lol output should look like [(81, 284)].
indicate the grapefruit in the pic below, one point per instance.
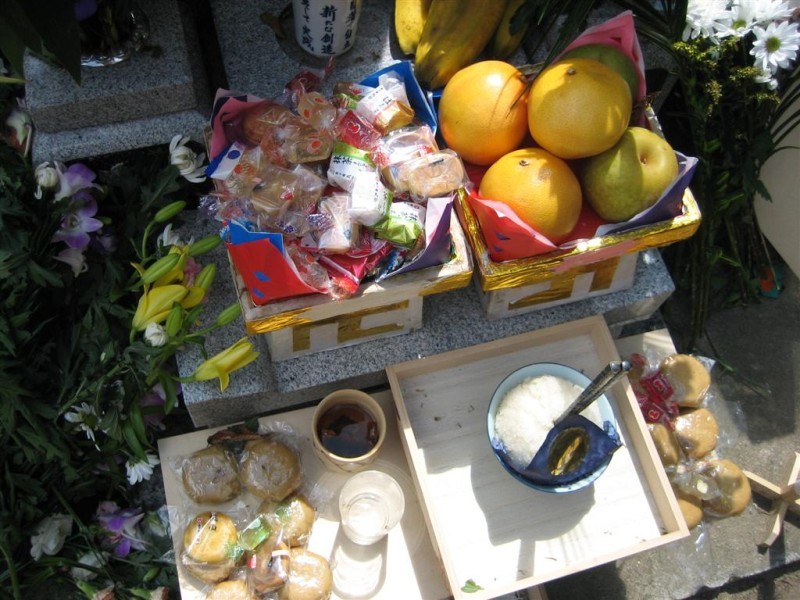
[(539, 187), (611, 57), (578, 107), (483, 111)]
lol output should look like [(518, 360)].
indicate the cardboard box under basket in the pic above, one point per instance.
[(313, 323), (593, 267)]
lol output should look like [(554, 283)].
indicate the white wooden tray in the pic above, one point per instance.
[(403, 564), (486, 526)]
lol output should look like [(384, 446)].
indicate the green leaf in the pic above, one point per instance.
[(470, 587), (17, 33), (55, 22)]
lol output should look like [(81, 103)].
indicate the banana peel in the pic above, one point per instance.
[(455, 33), (409, 21), (505, 43)]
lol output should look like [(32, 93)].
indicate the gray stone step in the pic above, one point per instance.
[(137, 103)]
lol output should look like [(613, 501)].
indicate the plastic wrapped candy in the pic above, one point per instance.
[(402, 145), (317, 110), (435, 174), (403, 225), (346, 163), (369, 200), (277, 189), (340, 233)]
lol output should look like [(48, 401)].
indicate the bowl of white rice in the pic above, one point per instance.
[(523, 409)]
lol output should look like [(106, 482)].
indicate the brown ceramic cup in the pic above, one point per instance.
[(347, 403)]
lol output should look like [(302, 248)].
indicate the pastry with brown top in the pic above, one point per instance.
[(697, 432), (210, 476), (310, 577), (689, 377), (269, 469), (207, 546), (734, 489)]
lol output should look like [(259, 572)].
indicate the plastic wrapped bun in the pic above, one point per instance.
[(209, 544), (310, 577), (269, 566), (669, 451), (689, 377), (292, 517), (697, 432), (210, 476), (269, 469), (734, 489), (233, 589), (691, 508)]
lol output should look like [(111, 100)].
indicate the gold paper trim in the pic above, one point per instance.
[(456, 282), (285, 319), (563, 286), (515, 273), (349, 326)]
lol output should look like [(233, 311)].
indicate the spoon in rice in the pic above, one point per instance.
[(604, 380)]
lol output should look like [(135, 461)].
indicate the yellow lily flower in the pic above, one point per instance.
[(226, 362), (155, 305), (194, 297)]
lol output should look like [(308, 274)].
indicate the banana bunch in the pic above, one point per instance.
[(447, 35)]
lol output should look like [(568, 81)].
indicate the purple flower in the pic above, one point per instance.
[(78, 223), (155, 397), (72, 180), (74, 258), (120, 528)]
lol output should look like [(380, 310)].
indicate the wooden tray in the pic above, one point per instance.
[(404, 561), (486, 526)]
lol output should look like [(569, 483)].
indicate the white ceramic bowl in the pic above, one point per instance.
[(557, 370)]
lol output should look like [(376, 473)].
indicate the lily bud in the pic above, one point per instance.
[(175, 274), (161, 267), (228, 315), (204, 245), (221, 365), (174, 320), (206, 276), (156, 304), (169, 211)]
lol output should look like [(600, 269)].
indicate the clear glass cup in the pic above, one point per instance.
[(371, 503)]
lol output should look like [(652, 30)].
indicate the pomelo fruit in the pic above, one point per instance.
[(611, 57), (539, 187), (578, 107), (483, 111)]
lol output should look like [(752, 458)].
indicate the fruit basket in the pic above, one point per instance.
[(562, 214), (593, 266)]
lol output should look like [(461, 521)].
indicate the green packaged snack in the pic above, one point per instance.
[(404, 224)]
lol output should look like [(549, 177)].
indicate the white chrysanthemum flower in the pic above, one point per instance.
[(771, 10), (50, 534), (46, 177), (184, 158), (139, 470), (707, 18), (776, 46), (90, 559), (156, 335), (767, 79), (85, 417)]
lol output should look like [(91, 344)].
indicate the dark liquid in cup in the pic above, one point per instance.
[(348, 430)]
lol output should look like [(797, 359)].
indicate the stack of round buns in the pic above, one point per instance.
[(689, 441), (221, 555)]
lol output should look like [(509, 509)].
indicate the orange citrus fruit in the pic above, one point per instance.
[(539, 187), (483, 111), (578, 107)]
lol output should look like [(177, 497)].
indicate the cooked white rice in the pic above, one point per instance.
[(527, 412)]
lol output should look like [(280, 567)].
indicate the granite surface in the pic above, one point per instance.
[(137, 103)]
